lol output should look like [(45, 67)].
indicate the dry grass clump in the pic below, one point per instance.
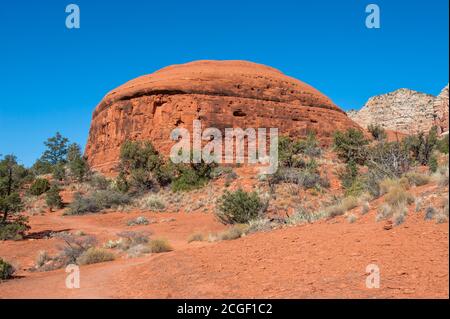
[(196, 237), (418, 179), (152, 202), (259, 225), (351, 218), (398, 195), (95, 255), (138, 221), (389, 184), (341, 208), (159, 246), (442, 176), (234, 232), (365, 208)]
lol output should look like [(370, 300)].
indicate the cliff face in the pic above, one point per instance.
[(222, 94), (405, 111), (441, 108)]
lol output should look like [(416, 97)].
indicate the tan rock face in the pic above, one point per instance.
[(441, 109), (222, 94), (405, 111)]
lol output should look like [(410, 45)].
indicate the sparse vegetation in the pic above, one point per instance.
[(430, 213), (53, 199), (152, 202), (96, 202), (39, 187), (6, 270), (159, 246), (240, 207), (138, 221), (377, 132), (196, 237), (351, 146), (95, 255)]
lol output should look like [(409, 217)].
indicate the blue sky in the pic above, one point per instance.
[(52, 77)]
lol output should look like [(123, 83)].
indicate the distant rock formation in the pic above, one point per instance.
[(222, 94), (405, 111), (441, 108)]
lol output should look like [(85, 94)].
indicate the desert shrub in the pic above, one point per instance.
[(159, 246), (421, 145), (388, 160), (352, 218), (234, 232), (441, 218), (95, 255), (433, 164), (346, 204), (418, 204), (417, 179), (192, 176), (301, 216), (259, 225), (365, 208), (390, 183), (96, 201), (399, 215), (53, 199), (442, 176), (14, 229), (351, 145), (59, 172), (384, 211), (42, 259), (39, 187), (430, 212), (6, 270), (306, 178), (442, 145), (74, 246), (398, 196), (240, 207), (153, 203), (78, 166), (377, 132), (99, 182), (196, 237), (129, 239), (138, 221)]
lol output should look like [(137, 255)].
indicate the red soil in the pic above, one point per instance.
[(326, 259)]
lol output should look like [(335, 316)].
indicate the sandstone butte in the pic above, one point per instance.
[(222, 94)]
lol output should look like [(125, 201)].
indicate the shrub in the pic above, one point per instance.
[(6, 270), (159, 246), (96, 201), (442, 176), (430, 212), (384, 211), (53, 199), (417, 179), (441, 218), (259, 225), (188, 179), (14, 229), (234, 232), (351, 218), (399, 218), (39, 187), (74, 247), (41, 259), (442, 145), (99, 182), (153, 203), (377, 132), (196, 237), (131, 238), (78, 165), (388, 160), (138, 221), (239, 207), (350, 145), (421, 146), (398, 196), (95, 255), (341, 208), (307, 178), (365, 208)]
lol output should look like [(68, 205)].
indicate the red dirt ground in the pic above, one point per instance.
[(326, 259)]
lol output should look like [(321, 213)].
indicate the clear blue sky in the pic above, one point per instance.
[(52, 77)]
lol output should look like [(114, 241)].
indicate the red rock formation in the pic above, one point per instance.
[(221, 94)]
